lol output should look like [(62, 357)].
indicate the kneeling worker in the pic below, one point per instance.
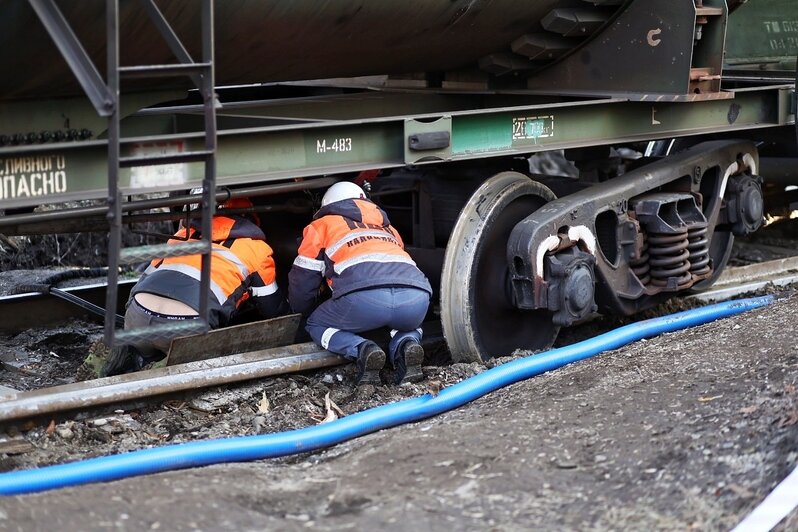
[(242, 268), (373, 281)]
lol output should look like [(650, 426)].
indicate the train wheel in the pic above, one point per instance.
[(479, 319)]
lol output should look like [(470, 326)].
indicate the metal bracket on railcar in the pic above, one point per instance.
[(647, 233), (664, 57)]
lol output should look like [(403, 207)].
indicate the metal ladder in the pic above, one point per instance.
[(105, 97)]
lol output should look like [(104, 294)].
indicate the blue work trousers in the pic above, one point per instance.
[(334, 323)]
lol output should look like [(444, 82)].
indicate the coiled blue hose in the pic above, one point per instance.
[(246, 448)]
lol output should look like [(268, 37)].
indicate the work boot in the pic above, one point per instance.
[(407, 362), (123, 359), (370, 360)]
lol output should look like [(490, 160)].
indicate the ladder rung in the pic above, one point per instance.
[(169, 158), (161, 251), (157, 71), (165, 331)]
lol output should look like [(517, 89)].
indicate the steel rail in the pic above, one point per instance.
[(280, 360), (747, 279), (181, 377)]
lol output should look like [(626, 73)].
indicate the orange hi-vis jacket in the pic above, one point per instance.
[(241, 267), (352, 245)]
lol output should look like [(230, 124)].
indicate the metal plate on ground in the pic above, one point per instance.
[(266, 334)]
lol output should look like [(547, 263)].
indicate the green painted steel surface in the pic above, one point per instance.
[(30, 176), (481, 134), (48, 173), (763, 32)]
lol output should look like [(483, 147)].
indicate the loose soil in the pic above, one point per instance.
[(689, 430)]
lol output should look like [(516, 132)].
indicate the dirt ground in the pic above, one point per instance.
[(687, 431)]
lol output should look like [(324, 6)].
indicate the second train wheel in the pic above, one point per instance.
[(478, 317)]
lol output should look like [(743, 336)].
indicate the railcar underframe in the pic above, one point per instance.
[(274, 147), (521, 256)]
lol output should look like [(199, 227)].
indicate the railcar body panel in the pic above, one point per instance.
[(259, 41), (764, 34)]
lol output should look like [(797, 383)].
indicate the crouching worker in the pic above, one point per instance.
[(242, 269), (374, 283)]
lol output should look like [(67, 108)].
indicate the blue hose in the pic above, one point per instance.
[(246, 448)]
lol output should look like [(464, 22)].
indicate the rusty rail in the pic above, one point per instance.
[(181, 377), (748, 279)]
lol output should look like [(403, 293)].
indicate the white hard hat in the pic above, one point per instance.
[(194, 192), (341, 191)]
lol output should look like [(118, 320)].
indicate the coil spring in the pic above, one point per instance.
[(669, 258), (699, 249), (640, 266)]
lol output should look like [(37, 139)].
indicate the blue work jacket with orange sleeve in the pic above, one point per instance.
[(242, 267), (352, 245)]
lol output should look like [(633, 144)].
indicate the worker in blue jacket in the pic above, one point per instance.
[(352, 249)]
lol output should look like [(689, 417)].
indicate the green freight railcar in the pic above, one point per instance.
[(662, 116), (763, 35)]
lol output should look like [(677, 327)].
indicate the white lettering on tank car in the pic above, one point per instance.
[(782, 35), (339, 145), (772, 26), (654, 121), (781, 26), (652, 37), (533, 127), (784, 44), (24, 177)]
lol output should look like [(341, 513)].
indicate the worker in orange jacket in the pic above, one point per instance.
[(352, 247), (242, 270)]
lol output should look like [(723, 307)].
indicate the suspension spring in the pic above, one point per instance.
[(699, 249), (669, 258), (640, 266)]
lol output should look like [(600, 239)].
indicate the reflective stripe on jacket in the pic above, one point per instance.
[(241, 267), (352, 245)]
